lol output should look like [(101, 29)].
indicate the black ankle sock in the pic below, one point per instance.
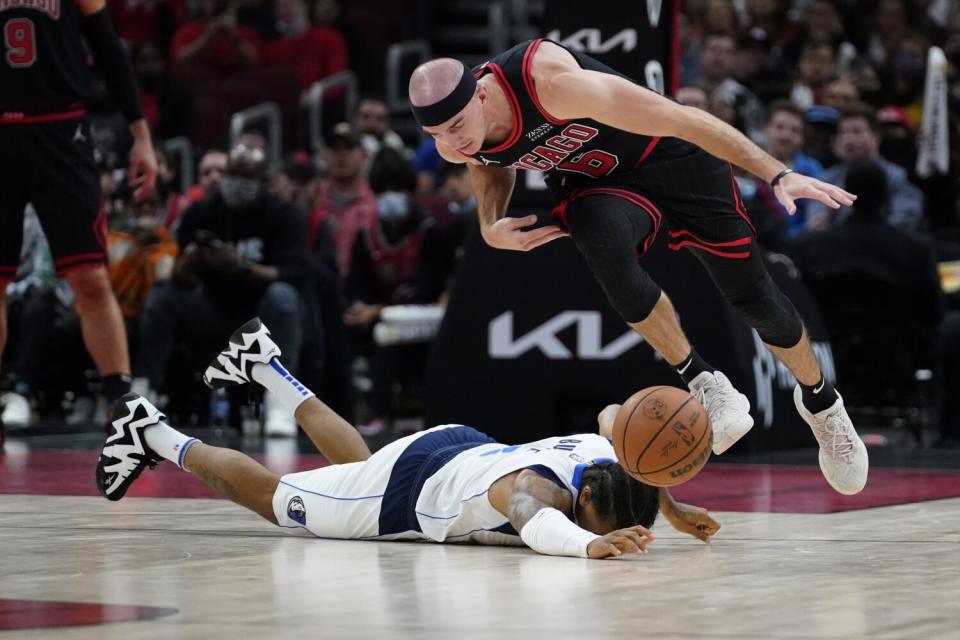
[(115, 385), (819, 396), (692, 366)]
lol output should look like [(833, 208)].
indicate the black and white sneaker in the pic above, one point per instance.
[(125, 453), (249, 345)]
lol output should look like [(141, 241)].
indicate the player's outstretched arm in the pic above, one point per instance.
[(686, 518), (567, 91), (537, 509)]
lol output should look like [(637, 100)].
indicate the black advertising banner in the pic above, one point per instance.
[(638, 39), (530, 348)]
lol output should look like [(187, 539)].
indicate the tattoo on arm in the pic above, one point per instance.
[(531, 493)]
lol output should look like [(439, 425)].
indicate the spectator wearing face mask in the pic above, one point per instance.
[(242, 253), (316, 51), (385, 269), (386, 258)]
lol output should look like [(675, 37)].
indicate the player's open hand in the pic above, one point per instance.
[(142, 173), (615, 544), (794, 186), (508, 233), (695, 521)]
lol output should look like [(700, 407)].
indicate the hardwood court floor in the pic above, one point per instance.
[(200, 568)]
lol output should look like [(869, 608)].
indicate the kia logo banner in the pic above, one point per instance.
[(638, 39)]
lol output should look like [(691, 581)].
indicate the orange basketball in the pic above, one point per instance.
[(662, 436)]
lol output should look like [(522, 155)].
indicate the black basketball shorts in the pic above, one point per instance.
[(49, 163), (692, 194)]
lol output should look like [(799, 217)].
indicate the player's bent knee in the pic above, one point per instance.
[(765, 308), (90, 284)]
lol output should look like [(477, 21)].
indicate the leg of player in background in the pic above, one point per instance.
[(103, 331)]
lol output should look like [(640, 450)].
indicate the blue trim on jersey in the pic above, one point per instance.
[(424, 457)]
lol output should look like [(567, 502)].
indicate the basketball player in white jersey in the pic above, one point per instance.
[(560, 496)]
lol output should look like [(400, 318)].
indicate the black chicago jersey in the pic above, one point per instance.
[(588, 163), (540, 142), (44, 60)]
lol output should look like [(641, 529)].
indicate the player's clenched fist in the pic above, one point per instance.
[(629, 540), (507, 233)]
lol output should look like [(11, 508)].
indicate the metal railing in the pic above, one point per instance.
[(397, 55), (314, 98), (180, 152), (269, 114)]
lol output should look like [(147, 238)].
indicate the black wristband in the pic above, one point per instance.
[(114, 62), (779, 176)]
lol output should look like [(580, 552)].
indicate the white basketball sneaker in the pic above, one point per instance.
[(249, 345), (729, 410), (843, 456)]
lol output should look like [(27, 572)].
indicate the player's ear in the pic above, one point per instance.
[(585, 496)]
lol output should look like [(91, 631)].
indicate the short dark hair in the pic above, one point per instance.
[(859, 110), (614, 491), (390, 171), (784, 105)]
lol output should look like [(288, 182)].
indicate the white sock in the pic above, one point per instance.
[(168, 442), (281, 384)]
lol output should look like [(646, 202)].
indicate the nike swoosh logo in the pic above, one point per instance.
[(820, 388), (682, 371)]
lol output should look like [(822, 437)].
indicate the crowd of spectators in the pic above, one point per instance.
[(319, 246)]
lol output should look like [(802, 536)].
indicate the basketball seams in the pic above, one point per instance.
[(666, 423), (626, 424), (693, 449)]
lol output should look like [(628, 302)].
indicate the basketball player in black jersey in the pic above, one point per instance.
[(622, 161), (46, 158)]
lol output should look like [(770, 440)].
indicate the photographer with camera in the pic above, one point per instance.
[(242, 254)]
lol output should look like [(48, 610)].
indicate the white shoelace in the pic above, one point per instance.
[(833, 433), (715, 403)]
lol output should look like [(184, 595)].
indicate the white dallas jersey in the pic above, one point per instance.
[(453, 504)]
